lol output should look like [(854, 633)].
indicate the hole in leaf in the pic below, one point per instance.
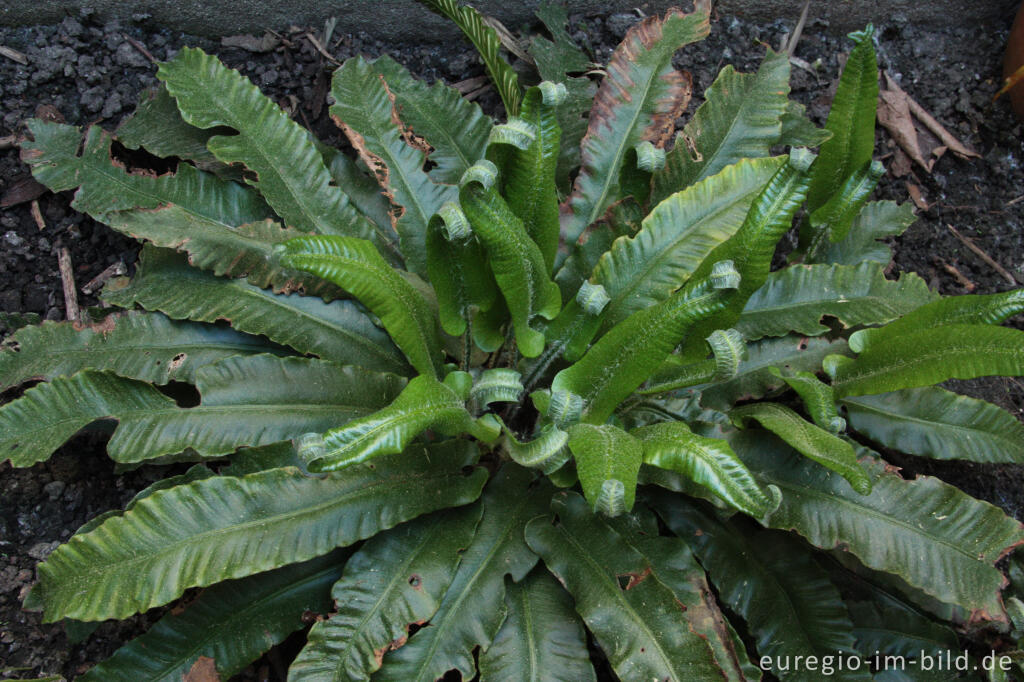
[(624, 581), (415, 581), (141, 162), (184, 395)]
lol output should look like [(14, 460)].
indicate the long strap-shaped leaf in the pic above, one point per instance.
[(542, 638), (248, 401), (977, 309), (797, 298), (424, 404), (516, 260), (851, 122), (929, 356), (397, 578), (474, 606), (455, 128), (928, 533), (876, 220), (640, 271), (639, 99), (458, 269), (365, 109), (628, 354), (485, 40), (607, 461), (641, 626), (144, 346), (529, 174), (709, 462), (105, 186), (291, 174), (356, 266), (233, 623), (809, 440), (227, 527), (339, 331), (752, 247), (787, 600), (932, 422), (818, 397), (832, 221), (156, 125), (739, 119)]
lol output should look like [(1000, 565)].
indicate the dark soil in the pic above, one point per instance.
[(90, 73)]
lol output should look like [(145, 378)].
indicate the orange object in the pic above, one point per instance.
[(1013, 61)]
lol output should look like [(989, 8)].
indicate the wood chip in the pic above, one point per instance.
[(99, 280), (140, 47), (37, 215), (67, 280), (8, 142), (983, 256), (13, 55), (320, 48)]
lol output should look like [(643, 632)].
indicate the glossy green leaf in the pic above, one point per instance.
[(607, 462), (516, 260), (790, 605), (752, 247), (455, 128), (255, 400), (739, 119), (364, 108), (755, 379), (634, 617), (529, 174), (144, 346), (228, 527), (890, 630), (832, 221), (818, 398), (708, 462), (458, 269), (851, 121), (876, 220), (677, 236), (541, 639), (485, 40), (339, 331), (397, 578), (425, 403), (928, 533), (356, 266), (628, 354), (639, 99), (288, 170), (362, 189), (156, 126), (548, 451), (797, 129), (233, 623), (976, 310), (932, 422), (798, 297), (473, 609), (929, 356), (809, 440)]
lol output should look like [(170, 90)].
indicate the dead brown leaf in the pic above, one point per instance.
[(265, 43), (49, 113), (26, 189), (917, 196), (921, 137), (203, 670)]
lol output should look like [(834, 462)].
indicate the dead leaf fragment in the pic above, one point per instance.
[(203, 670), (26, 189), (265, 43), (917, 196)]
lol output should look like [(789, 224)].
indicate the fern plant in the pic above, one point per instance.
[(460, 418)]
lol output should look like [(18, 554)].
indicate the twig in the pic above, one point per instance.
[(67, 279), (984, 256), (9, 142), (37, 215), (794, 37), (99, 280), (964, 282), (1011, 202), (320, 48), (13, 55), (140, 47)]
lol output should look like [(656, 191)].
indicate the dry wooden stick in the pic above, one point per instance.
[(37, 215), (320, 48), (99, 280), (959, 276), (67, 279), (140, 47), (13, 55), (984, 256)]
